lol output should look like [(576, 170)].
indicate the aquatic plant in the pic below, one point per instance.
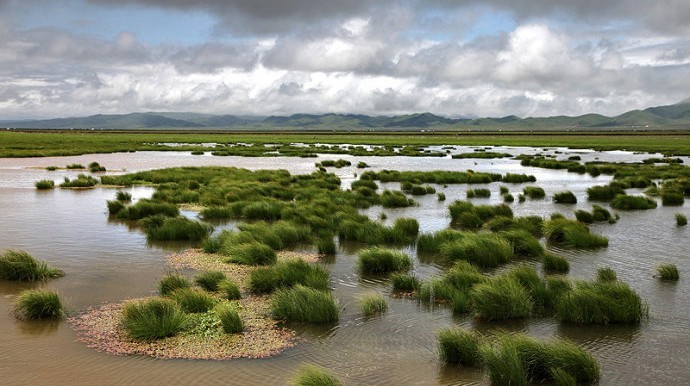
[(572, 234), (478, 192), (95, 167), (146, 208), (604, 192), (154, 318), (403, 282), (123, 196), (555, 263), (172, 282), (440, 290), (431, 242), (38, 304), (681, 220), (310, 375), (326, 246), (667, 272), (601, 302), (508, 198), (503, 190), (606, 274), (162, 228), (584, 216), (504, 366), (458, 346), (75, 166), (501, 297), (304, 304), (626, 202), (601, 214), (379, 260), (229, 319), (82, 181), (524, 243), (441, 196), (395, 199), (533, 192), (114, 207), (286, 274), (566, 197), (44, 184), (482, 249), (671, 197), (21, 266), (193, 301), (209, 280), (373, 303)]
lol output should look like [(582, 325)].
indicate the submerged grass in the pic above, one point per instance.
[(21, 266), (38, 304)]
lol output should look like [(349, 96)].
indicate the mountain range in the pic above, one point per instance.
[(675, 116)]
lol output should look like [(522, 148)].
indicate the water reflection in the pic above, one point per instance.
[(37, 328)]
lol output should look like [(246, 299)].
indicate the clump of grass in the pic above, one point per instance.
[(403, 282), (460, 347), (21, 266), (508, 198), (671, 197), (193, 301), (114, 207), (123, 196), (75, 166), (441, 196), (555, 263), (584, 216), (503, 190), (534, 192), (379, 260), (501, 297), (38, 304), (606, 274), (304, 304), (162, 228), (572, 234), (604, 193), (486, 250), (82, 181), (626, 202), (681, 220), (373, 304), (230, 319), (521, 198), (285, 274), (524, 243), (362, 165), (566, 197), (146, 208), (44, 184), (478, 192), (395, 199), (600, 302), (172, 282), (253, 253), (230, 290), (667, 272), (95, 167), (51, 168), (209, 280), (601, 214), (310, 375), (326, 246), (505, 367), (153, 319)]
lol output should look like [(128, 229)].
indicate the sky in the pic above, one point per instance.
[(456, 58)]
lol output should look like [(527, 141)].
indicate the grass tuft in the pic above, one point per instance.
[(403, 282), (230, 319), (153, 319), (459, 347), (38, 304), (304, 304), (379, 261), (566, 197), (209, 280), (501, 297), (193, 301), (681, 220), (44, 184), (310, 375), (605, 274), (253, 253), (21, 266), (373, 304), (230, 290), (667, 272), (555, 263), (172, 282)]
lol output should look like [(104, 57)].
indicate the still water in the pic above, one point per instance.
[(108, 262)]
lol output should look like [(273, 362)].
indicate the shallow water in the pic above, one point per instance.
[(106, 261)]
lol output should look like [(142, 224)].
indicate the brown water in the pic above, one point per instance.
[(107, 262)]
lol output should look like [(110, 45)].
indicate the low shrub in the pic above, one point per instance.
[(310, 375), (459, 347), (172, 282), (154, 318), (373, 304), (38, 304), (304, 304), (566, 197), (379, 260), (230, 319), (21, 266), (209, 280), (193, 301), (667, 272)]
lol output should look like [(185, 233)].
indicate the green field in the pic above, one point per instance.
[(55, 143)]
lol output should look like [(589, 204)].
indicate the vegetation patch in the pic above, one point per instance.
[(304, 304), (572, 234), (311, 375), (21, 266), (379, 261), (38, 304), (460, 347), (44, 184), (626, 202), (566, 197), (667, 272), (373, 304)]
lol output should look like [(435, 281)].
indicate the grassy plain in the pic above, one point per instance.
[(55, 143)]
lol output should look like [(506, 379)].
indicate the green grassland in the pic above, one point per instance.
[(55, 143)]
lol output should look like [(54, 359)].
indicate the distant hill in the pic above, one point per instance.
[(675, 116)]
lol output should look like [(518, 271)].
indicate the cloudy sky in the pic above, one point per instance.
[(378, 57)]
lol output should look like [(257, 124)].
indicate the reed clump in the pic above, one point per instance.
[(458, 346), (626, 202), (209, 280), (667, 272), (38, 304), (193, 301), (373, 304), (485, 250), (286, 274), (21, 266), (304, 304), (681, 220), (152, 319), (534, 192), (380, 261), (499, 298), (572, 234)]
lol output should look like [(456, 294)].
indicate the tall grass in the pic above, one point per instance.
[(38, 304), (404, 283), (161, 228), (604, 193), (600, 302), (172, 282), (533, 192), (373, 304), (304, 304), (667, 272), (310, 375), (229, 289), (379, 260), (555, 264), (572, 234), (21, 266), (500, 298), (252, 253), (230, 319), (460, 347), (606, 274), (153, 319), (625, 202)]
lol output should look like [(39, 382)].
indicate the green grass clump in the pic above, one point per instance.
[(373, 304), (681, 220), (518, 178), (38, 304), (153, 319), (395, 199), (524, 243), (21, 266), (625, 202), (441, 196), (114, 207), (667, 272), (555, 264), (285, 274), (310, 375), (123, 196), (507, 198), (505, 366), (193, 301), (459, 347), (671, 197), (469, 216), (75, 166), (485, 250), (566, 197), (572, 234), (601, 214), (478, 192), (51, 168), (606, 274), (230, 319), (146, 208), (584, 216), (230, 290), (431, 242), (209, 280), (443, 291), (44, 184), (172, 282), (326, 246), (379, 260), (304, 304), (533, 192), (95, 167), (604, 192), (403, 282), (252, 253), (82, 181), (601, 302), (499, 298), (161, 228)]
